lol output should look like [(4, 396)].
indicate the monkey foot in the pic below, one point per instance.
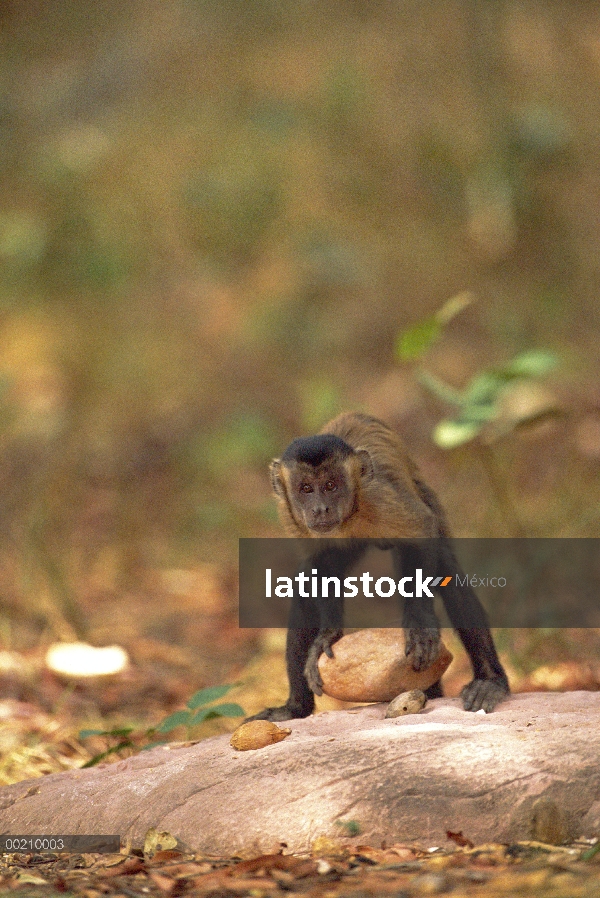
[(284, 712), (484, 694)]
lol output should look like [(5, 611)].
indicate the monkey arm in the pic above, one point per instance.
[(467, 615), (314, 625), (301, 701), (419, 620), (325, 615), (328, 611), (423, 644), (323, 642), (308, 635), (490, 684)]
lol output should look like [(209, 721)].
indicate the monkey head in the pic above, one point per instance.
[(317, 483)]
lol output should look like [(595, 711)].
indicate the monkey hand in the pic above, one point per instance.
[(423, 643), (322, 643), (484, 694)]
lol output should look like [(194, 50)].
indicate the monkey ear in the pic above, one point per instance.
[(274, 471), (366, 464)]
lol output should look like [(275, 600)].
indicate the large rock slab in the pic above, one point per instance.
[(410, 778)]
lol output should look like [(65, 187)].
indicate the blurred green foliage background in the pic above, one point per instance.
[(216, 219)]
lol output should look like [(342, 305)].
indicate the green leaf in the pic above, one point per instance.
[(450, 434), (591, 852), (226, 710), (351, 827), (180, 718), (206, 696), (478, 414), (201, 716), (415, 341), (229, 709), (534, 363), (484, 389), (111, 751), (125, 731)]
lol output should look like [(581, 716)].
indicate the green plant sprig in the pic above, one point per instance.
[(195, 713)]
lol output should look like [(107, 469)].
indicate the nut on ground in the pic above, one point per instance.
[(257, 734), (406, 703)]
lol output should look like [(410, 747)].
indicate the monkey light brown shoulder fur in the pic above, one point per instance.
[(388, 490)]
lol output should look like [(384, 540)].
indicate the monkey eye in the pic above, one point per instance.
[(306, 488), (330, 485)]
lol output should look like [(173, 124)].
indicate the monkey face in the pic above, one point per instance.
[(317, 482), (323, 497)]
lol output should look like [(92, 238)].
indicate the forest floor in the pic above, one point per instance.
[(401, 871)]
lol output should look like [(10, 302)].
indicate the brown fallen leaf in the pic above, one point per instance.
[(405, 851), (164, 856), (187, 868), (110, 860), (162, 882), (459, 839), (129, 866), (210, 882), (253, 885), (264, 862), (391, 855)]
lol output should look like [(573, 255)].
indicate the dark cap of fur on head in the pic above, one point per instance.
[(315, 450)]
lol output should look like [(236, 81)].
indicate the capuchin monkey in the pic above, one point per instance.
[(355, 480)]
